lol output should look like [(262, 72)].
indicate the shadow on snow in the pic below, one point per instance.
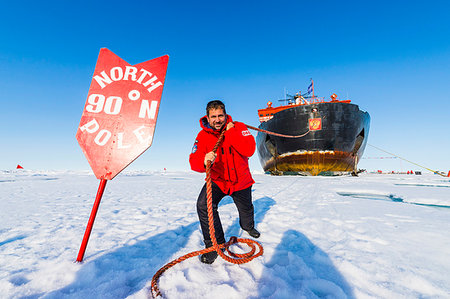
[(299, 269), (126, 270), (261, 206)]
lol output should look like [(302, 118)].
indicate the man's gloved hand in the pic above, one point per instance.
[(211, 156)]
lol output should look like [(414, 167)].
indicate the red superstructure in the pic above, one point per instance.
[(297, 100)]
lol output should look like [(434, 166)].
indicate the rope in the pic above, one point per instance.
[(256, 249), (277, 134), (434, 171)]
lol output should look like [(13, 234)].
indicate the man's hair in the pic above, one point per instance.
[(215, 104)]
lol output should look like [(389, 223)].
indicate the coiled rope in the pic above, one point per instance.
[(256, 248)]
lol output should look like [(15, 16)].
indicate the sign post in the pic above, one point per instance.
[(119, 118), (90, 224)]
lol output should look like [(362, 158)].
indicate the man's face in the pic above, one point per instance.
[(216, 118)]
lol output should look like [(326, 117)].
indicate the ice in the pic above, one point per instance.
[(372, 236)]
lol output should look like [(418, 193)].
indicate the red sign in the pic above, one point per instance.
[(119, 117), (315, 124)]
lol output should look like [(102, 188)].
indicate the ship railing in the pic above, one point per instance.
[(313, 100)]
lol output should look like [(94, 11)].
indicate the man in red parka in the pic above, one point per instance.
[(230, 173)]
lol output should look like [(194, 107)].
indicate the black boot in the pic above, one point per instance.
[(209, 257), (254, 233)]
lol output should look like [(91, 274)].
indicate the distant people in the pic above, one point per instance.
[(297, 99), (230, 172)]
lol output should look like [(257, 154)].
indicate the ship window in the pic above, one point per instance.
[(261, 115)]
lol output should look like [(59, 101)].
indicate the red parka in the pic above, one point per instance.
[(230, 169)]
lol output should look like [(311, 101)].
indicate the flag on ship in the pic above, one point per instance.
[(311, 87)]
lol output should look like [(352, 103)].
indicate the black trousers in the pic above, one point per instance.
[(243, 201)]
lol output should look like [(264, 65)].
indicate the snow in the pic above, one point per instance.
[(373, 236)]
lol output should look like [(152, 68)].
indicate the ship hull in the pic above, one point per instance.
[(333, 147)]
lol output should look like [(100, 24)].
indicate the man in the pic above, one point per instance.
[(230, 173)]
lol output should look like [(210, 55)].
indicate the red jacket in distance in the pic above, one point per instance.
[(230, 169)]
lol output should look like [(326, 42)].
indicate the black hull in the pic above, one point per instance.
[(334, 149)]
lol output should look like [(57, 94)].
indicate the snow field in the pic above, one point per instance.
[(374, 236)]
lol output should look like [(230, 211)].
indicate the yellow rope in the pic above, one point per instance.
[(407, 160)]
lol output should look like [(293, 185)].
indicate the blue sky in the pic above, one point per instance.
[(392, 58)]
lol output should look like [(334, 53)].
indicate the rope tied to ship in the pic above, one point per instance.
[(433, 171), (277, 134)]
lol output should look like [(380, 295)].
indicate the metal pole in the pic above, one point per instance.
[(87, 233)]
